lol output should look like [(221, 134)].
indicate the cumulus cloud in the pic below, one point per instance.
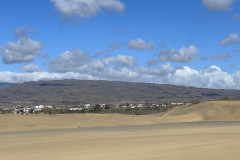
[(183, 55), (166, 69), (223, 56), (120, 61), (86, 8), (71, 60), (24, 50), (111, 67), (77, 61), (210, 77), (214, 77), (30, 68), (221, 5), (125, 68), (74, 64), (139, 44), (185, 76), (232, 38), (13, 77)]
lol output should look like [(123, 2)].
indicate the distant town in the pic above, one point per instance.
[(90, 108)]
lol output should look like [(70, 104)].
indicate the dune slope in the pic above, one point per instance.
[(208, 111)]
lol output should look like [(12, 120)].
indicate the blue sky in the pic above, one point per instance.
[(191, 43)]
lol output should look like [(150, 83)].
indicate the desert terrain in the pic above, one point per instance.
[(208, 130)]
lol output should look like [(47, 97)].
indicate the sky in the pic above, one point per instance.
[(190, 43)]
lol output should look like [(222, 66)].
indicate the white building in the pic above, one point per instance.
[(38, 108), (87, 106), (75, 109)]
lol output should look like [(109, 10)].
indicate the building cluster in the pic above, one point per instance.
[(88, 107)]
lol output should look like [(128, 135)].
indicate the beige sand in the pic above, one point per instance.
[(108, 137), (207, 111)]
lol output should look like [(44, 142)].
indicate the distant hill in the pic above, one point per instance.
[(89, 91), (6, 85)]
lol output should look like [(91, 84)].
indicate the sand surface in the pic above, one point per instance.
[(182, 133)]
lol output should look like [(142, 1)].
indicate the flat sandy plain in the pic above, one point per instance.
[(209, 130)]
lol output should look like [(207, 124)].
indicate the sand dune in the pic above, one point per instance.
[(168, 143), (115, 136), (208, 111)]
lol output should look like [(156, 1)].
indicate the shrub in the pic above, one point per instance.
[(47, 110), (7, 111), (97, 108)]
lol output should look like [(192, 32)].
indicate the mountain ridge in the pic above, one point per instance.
[(63, 92)]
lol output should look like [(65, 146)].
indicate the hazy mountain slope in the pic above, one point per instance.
[(86, 91), (6, 85)]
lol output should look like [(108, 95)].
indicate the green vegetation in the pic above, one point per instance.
[(47, 110), (97, 108), (7, 111), (135, 111), (107, 109), (225, 99)]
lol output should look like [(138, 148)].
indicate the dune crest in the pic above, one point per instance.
[(208, 111)]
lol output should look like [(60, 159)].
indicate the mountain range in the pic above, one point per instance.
[(72, 92)]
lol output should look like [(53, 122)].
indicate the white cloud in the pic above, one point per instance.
[(211, 77), (125, 68), (166, 69), (86, 8), (139, 44), (30, 68), (120, 60), (185, 76), (223, 56), (77, 61), (72, 60), (13, 77), (24, 50), (221, 5), (214, 77), (183, 55), (232, 38)]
